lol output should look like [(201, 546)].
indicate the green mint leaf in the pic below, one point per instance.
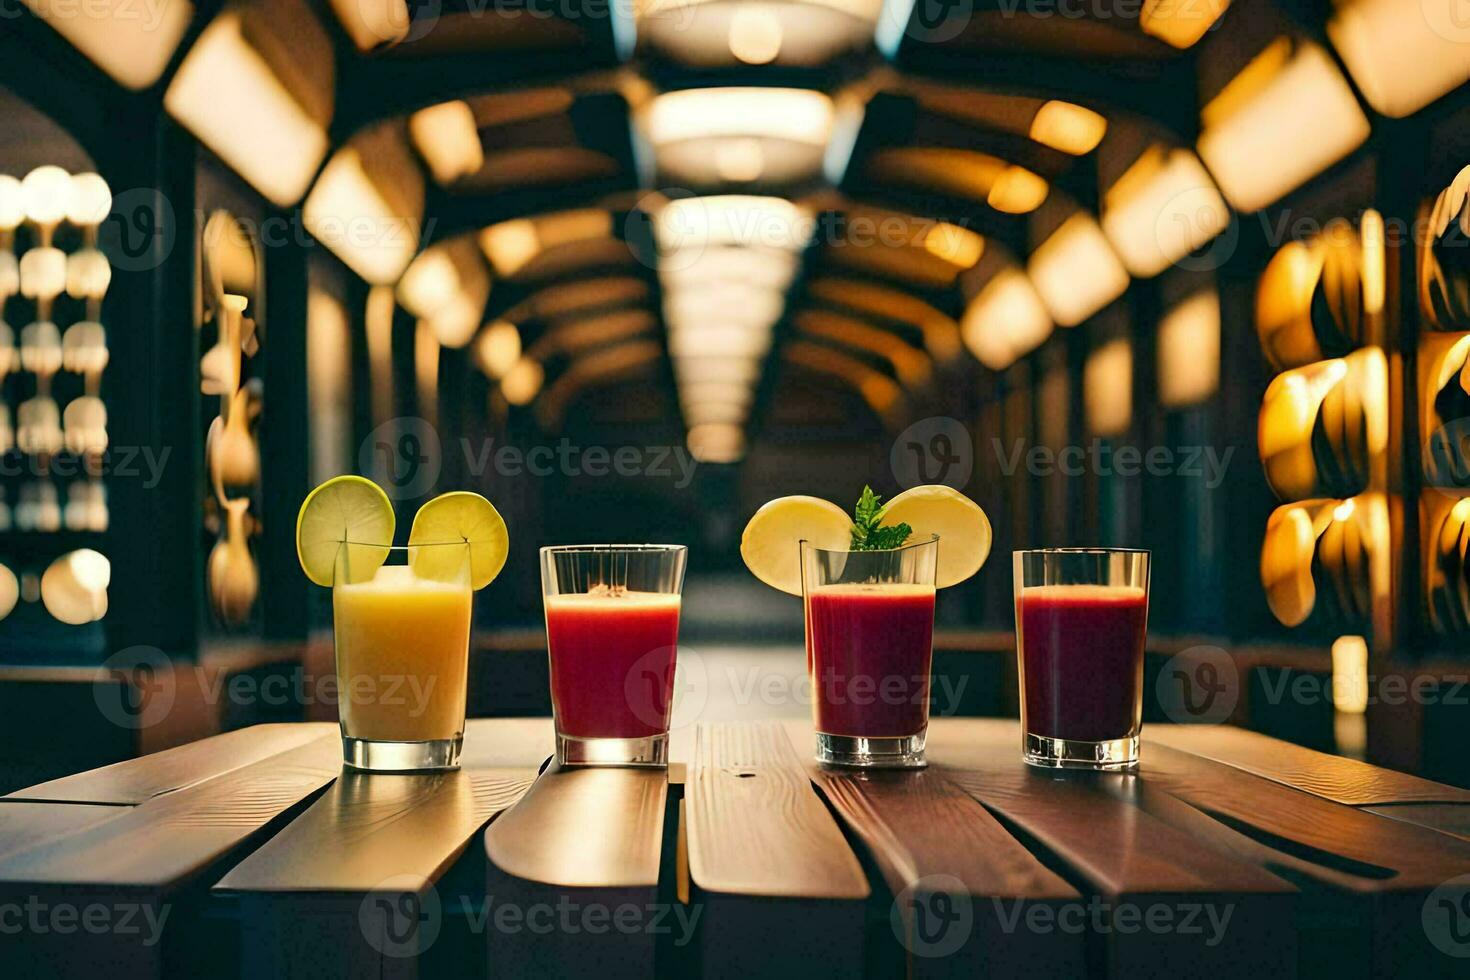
[(868, 534)]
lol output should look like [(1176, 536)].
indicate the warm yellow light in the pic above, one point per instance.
[(740, 160), (47, 194), (227, 94), (722, 303), (795, 114), (88, 274), (1107, 388), (1350, 674), (91, 200), (74, 587), (1284, 431), (133, 44), (1005, 321), (429, 282), (1402, 58), (755, 34), (373, 23), (426, 370), (1291, 107), (1162, 208), (700, 413), (499, 348), (958, 246), (1075, 271), (522, 382), (1180, 23), (1017, 191), (1068, 128), (329, 383), (12, 203), (716, 442), (1189, 351), (378, 321), (724, 370), (448, 139), (719, 340), (732, 219), (761, 268), (349, 213), (722, 392), (512, 245), (446, 285)]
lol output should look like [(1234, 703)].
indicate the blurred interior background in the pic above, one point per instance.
[(1184, 276)]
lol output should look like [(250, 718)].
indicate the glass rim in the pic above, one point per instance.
[(602, 549), (1081, 551), (932, 539)]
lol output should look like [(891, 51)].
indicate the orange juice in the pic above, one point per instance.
[(402, 656)]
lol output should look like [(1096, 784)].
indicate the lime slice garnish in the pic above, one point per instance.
[(963, 528), (770, 544), (459, 516), (343, 509)]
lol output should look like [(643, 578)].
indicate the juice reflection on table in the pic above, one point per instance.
[(612, 661)]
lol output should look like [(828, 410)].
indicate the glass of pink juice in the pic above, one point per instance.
[(1081, 622), (870, 641), (612, 632)]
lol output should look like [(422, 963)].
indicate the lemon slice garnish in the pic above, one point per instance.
[(770, 544), (963, 528), (345, 508), (459, 516)]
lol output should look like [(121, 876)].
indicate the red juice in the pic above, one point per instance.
[(612, 662), (870, 648), (1082, 660)]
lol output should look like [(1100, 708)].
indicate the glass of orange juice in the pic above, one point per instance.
[(401, 623)]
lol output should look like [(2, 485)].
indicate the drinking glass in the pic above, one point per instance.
[(1081, 620), (870, 642), (612, 632), (401, 624)]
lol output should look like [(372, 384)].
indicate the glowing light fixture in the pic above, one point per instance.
[(1076, 272), (1068, 128), (74, 586), (1180, 23), (447, 285), (1005, 321), (716, 442), (1350, 673), (1402, 59), (512, 245), (795, 114), (131, 44), (1289, 106), (12, 203), (962, 173), (766, 222), (329, 379), (368, 205), (755, 34), (90, 200), (1189, 351), (46, 192), (373, 23), (522, 382), (448, 139), (499, 348), (1162, 208), (267, 121), (1107, 388)]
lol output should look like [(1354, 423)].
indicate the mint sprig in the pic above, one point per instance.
[(868, 534)]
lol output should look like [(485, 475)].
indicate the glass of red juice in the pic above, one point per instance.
[(1081, 620), (612, 633), (870, 641)]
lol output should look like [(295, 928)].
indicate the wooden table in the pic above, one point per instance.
[(254, 854)]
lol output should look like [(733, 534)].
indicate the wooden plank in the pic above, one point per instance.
[(25, 825), (572, 876), (957, 876), (1447, 818), (1332, 777), (1368, 875), (1213, 911), (145, 865), (139, 780), (765, 852), (362, 863)]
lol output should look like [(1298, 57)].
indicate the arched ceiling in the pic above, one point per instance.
[(724, 197)]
